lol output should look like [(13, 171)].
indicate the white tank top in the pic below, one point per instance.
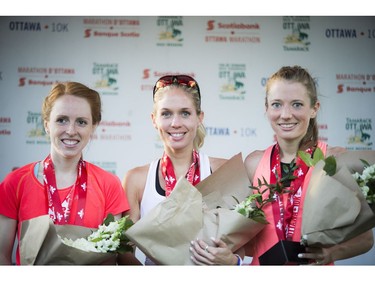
[(150, 195)]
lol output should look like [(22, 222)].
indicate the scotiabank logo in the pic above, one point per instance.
[(340, 88), (146, 73), (22, 82), (87, 33), (210, 25)]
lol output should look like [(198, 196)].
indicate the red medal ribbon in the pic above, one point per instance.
[(192, 175), (59, 211), (286, 218)]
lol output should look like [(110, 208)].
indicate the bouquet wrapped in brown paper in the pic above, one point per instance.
[(335, 209), (204, 211), (44, 243)]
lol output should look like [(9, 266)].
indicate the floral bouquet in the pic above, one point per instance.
[(204, 211), (366, 182), (44, 243), (335, 209)]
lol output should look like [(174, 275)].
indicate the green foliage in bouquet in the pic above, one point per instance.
[(252, 206), (366, 180), (123, 224), (249, 208), (330, 165)]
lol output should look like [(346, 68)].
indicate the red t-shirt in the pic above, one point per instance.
[(23, 197)]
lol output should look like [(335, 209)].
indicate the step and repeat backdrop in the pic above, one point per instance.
[(231, 57)]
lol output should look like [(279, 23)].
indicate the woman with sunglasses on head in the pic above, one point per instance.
[(291, 106), (63, 185), (178, 117)]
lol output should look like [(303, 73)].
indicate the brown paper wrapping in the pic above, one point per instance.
[(335, 209), (229, 180), (190, 212), (40, 245)]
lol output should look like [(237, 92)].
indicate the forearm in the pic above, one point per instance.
[(353, 247)]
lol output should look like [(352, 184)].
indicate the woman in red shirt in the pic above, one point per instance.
[(63, 185)]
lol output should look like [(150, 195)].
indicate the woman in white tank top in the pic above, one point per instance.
[(178, 117)]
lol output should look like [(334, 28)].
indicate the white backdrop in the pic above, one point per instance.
[(230, 56)]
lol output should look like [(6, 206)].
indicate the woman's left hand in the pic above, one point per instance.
[(217, 254)]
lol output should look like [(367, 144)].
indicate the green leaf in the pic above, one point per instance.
[(242, 212), (259, 216), (365, 163), (311, 161), (306, 158), (110, 218), (125, 247), (330, 165), (330, 162), (318, 155)]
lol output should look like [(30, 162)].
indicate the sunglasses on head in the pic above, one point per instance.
[(185, 80)]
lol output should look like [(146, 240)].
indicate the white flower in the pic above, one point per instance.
[(107, 238), (249, 209), (366, 182)]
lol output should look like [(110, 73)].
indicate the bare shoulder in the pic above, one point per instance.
[(335, 150), (251, 162), (134, 183), (253, 158), (136, 177), (216, 163)]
